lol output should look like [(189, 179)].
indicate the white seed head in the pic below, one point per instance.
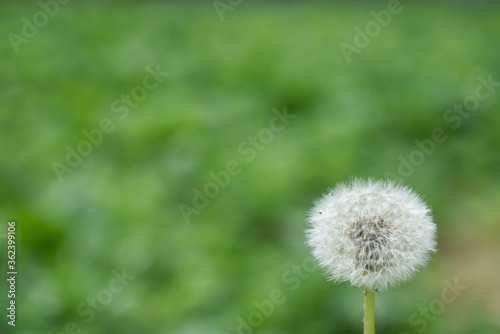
[(371, 233)]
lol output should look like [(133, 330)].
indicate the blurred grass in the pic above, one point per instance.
[(119, 208)]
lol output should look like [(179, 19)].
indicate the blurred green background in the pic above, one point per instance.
[(120, 208)]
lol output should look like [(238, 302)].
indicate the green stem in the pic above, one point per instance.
[(369, 319)]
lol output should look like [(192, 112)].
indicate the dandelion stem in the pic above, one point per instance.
[(369, 309)]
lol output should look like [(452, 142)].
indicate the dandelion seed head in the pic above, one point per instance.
[(371, 233)]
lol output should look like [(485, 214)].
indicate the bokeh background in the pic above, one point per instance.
[(119, 208)]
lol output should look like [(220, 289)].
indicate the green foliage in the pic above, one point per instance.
[(119, 208)]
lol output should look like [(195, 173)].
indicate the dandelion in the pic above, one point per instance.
[(372, 234)]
